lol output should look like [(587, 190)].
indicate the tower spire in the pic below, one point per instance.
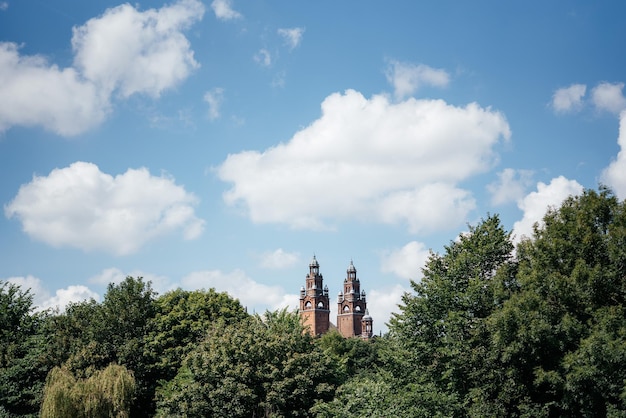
[(314, 301)]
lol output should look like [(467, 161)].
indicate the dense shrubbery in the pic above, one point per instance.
[(491, 330)]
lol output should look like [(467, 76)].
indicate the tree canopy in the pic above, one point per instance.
[(536, 329)]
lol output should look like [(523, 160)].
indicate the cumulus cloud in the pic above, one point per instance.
[(406, 79), (614, 175), (79, 206), (536, 204), (43, 299), (568, 99), (382, 303), (124, 51), (223, 10), (214, 99), (256, 296), (406, 262), (511, 186), (292, 36), (609, 97), (160, 284), (370, 159), (263, 57), (34, 92), (428, 208), (279, 259), (4, 5), (137, 52)]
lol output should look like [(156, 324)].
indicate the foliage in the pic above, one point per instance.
[(354, 355), (379, 395), (389, 386), (561, 338), (106, 393), (261, 366), (181, 321), (488, 332), (442, 327), (23, 364)]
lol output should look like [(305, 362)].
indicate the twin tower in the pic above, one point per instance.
[(353, 320)]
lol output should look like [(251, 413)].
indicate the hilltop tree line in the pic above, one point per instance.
[(493, 329)]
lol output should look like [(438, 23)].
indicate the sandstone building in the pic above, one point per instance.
[(353, 319)]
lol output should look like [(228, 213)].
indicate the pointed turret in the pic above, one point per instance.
[(314, 301)]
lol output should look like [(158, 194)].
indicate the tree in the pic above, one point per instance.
[(23, 341), (92, 335), (388, 386), (354, 355), (181, 321), (561, 338), (106, 393), (442, 327), (261, 366)]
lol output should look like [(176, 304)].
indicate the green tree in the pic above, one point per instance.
[(89, 336), (389, 386), (442, 327), (181, 321), (261, 366), (23, 341), (354, 355), (560, 340), (106, 393)]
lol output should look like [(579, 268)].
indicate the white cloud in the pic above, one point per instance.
[(63, 297), (137, 52), (254, 295), (568, 99), (33, 92), (4, 5), (224, 10), (110, 275), (214, 98), (160, 284), (42, 299), (614, 175), (81, 207), (369, 159), (263, 57), (408, 78), (428, 208), (609, 97), (289, 301), (381, 303), (293, 36), (279, 259), (406, 262), (536, 204), (124, 51), (510, 186)]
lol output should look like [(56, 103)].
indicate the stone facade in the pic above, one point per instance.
[(314, 301), (353, 319)]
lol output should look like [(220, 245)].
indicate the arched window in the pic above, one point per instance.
[(320, 305), (307, 305), (346, 309), (357, 309)]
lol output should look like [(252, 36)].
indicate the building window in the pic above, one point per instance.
[(346, 309)]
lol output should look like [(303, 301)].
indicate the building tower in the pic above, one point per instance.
[(314, 301), (352, 306), (367, 326)]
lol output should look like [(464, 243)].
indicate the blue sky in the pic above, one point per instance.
[(223, 143)]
